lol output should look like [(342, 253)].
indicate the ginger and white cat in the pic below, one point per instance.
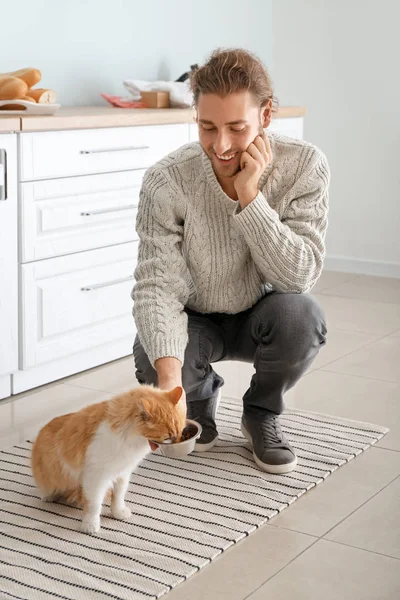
[(79, 457)]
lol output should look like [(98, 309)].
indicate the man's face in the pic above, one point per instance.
[(227, 126)]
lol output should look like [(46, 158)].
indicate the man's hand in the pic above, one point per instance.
[(169, 371), (252, 164)]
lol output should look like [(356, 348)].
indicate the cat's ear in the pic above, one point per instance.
[(175, 394), (144, 410)]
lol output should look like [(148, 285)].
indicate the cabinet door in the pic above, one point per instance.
[(8, 255), (74, 303), (51, 154), (63, 216)]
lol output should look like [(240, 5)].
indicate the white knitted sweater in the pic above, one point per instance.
[(199, 250)]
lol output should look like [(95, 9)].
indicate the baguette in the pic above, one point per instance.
[(30, 76), (42, 96), (12, 88)]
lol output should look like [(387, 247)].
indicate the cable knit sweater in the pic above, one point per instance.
[(199, 250)]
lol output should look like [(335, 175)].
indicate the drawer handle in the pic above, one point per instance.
[(122, 149), (97, 286), (3, 175), (107, 210)]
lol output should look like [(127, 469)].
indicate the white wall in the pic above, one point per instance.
[(86, 47), (341, 59)]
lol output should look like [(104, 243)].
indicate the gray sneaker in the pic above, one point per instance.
[(271, 450), (204, 412)]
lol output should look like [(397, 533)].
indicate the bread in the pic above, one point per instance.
[(30, 76), (12, 87), (43, 96), (28, 98)]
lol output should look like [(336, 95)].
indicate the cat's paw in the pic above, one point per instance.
[(90, 526), (47, 497), (121, 513)]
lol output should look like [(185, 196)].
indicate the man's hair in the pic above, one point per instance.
[(233, 70)]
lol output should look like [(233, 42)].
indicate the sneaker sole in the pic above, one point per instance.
[(274, 469), (204, 447)]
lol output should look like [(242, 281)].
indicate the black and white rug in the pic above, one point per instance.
[(185, 512)]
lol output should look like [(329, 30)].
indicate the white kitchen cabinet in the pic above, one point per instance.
[(74, 214), (73, 303), (8, 262), (79, 192), (291, 127), (50, 154)]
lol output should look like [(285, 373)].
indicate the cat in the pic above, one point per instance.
[(80, 457)]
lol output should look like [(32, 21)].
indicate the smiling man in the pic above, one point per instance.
[(231, 236)]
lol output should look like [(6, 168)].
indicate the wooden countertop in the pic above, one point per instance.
[(90, 117), (9, 123), (85, 117)]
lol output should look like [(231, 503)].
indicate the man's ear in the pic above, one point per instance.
[(266, 114)]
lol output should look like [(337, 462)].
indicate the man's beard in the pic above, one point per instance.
[(224, 171)]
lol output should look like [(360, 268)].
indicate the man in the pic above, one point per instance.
[(231, 238)]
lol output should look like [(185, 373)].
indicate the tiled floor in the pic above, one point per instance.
[(341, 540)]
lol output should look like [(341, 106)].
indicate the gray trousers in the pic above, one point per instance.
[(281, 335)]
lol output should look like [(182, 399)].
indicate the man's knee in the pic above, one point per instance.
[(294, 321)]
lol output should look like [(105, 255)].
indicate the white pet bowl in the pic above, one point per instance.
[(180, 448)]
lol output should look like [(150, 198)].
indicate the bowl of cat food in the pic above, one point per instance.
[(185, 445)]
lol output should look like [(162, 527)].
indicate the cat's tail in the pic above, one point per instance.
[(74, 497)]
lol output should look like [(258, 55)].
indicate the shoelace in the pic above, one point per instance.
[(271, 430)]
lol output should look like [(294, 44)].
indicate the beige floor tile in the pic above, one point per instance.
[(339, 343), (237, 377), (8, 436), (5, 416), (330, 279), (365, 287), (115, 377), (363, 316), (239, 570), (379, 360), (351, 397), (35, 410), (331, 571), (344, 491), (37, 390), (375, 526)]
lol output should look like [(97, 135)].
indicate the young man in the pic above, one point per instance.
[(231, 238)]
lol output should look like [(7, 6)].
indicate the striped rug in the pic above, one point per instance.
[(185, 513)]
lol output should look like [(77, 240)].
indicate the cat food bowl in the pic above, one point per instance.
[(191, 433)]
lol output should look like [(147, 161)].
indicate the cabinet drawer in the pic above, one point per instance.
[(62, 216), (77, 302), (45, 155)]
